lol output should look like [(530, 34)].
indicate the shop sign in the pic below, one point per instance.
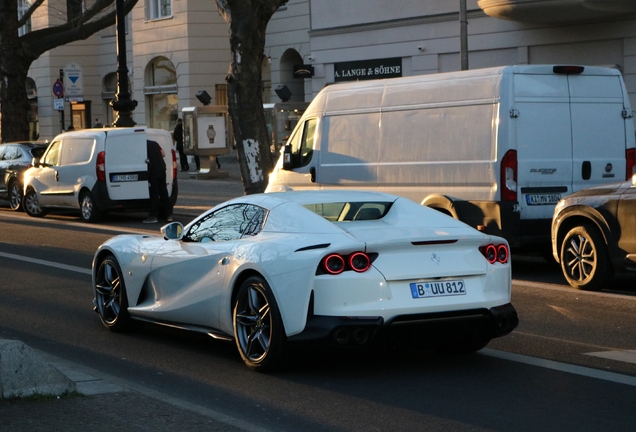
[(368, 69)]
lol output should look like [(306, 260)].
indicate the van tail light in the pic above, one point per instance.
[(509, 176), (630, 159), (335, 263), (174, 165), (100, 167), (568, 69), (496, 253)]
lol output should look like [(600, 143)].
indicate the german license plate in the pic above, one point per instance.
[(124, 177), (543, 199), (438, 288)]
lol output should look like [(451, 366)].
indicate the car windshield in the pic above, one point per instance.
[(350, 211)]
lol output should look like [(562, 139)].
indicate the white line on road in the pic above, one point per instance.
[(47, 263), (562, 367), (628, 356)]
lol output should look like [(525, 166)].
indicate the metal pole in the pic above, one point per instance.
[(123, 105), (62, 112), (463, 35)]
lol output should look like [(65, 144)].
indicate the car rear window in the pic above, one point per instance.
[(350, 211)]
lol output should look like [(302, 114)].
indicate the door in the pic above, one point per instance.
[(125, 163), (544, 143), (76, 169), (304, 159), (598, 130), (626, 216), (46, 180), (190, 277)]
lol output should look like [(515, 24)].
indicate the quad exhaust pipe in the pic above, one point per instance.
[(354, 336)]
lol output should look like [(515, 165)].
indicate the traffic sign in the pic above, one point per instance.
[(58, 89), (58, 104)]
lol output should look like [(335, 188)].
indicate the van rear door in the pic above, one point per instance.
[(126, 168), (541, 116), (598, 130)]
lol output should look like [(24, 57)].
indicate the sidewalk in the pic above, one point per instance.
[(106, 403)]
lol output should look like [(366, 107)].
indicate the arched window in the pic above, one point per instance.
[(288, 60), (109, 89), (162, 102)]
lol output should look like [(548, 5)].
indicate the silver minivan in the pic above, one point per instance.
[(97, 171)]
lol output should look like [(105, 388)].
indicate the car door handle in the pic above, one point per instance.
[(57, 176)]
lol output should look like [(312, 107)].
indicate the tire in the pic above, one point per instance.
[(111, 302), (32, 205), (15, 195), (88, 209), (258, 328), (584, 259)]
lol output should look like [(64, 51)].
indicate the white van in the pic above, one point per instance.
[(496, 148), (97, 171)]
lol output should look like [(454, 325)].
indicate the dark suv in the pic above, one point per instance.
[(15, 158), (594, 234)]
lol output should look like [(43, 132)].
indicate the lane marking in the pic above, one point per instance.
[(627, 356), (561, 367), (47, 263)]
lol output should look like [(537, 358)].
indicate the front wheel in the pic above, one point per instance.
[(32, 205), (110, 301), (258, 327), (88, 210), (15, 195), (584, 258)]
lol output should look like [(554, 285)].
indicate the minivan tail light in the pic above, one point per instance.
[(100, 167), (174, 165), (630, 159), (509, 176)]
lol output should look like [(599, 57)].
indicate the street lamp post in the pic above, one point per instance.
[(123, 105)]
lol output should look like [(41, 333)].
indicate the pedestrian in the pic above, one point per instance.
[(177, 136), (159, 201)]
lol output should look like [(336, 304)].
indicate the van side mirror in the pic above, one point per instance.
[(287, 157), (35, 162)]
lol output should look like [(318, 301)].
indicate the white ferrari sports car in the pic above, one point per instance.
[(346, 267)]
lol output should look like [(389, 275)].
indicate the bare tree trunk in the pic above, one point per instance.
[(13, 97), (248, 23)]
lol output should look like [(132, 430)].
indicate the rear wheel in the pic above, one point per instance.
[(15, 195), (584, 258), (258, 327), (110, 300), (88, 210), (32, 205)]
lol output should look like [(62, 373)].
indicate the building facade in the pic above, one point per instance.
[(176, 48), (365, 39)]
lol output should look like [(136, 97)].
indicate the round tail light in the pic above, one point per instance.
[(502, 253), (491, 253), (333, 264), (359, 261)]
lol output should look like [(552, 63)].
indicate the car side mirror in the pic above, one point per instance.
[(35, 162), (287, 157), (172, 231)]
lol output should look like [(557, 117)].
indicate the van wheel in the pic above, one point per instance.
[(15, 195), (584, 259), (88, 210), (32, 205)]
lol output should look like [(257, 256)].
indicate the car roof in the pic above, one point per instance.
[(30, 144)]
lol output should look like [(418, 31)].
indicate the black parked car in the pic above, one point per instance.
[(15, 158), (594, 234)]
